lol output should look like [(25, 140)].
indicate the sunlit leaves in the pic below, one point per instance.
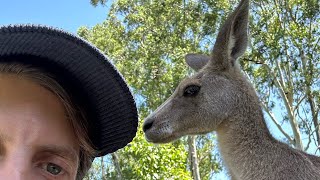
[(147, 41), (285, 36)]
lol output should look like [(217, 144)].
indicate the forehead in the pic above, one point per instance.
[(31, 114), (194, 79), (26, 96)]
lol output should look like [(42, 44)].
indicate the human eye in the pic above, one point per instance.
[(55, 165), (53, 169)]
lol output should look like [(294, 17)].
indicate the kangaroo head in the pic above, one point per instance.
[(203, 101)]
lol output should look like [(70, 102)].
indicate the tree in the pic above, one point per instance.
[(96, 2), (285, 66), (147, 41)]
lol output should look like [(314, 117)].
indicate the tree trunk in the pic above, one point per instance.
[(310, 98), (102, 167), (116, 164), (193, 158)]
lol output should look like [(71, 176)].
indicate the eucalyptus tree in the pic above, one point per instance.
[(147, 41)]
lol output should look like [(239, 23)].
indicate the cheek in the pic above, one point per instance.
[(209, 113), (187, 118)]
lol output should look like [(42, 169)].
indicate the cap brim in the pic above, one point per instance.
[(86, 73)]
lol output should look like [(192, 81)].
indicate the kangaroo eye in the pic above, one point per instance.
[(191, 90)]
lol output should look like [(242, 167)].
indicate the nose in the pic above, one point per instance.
[(14, 173), (16, 167), (147, 125)]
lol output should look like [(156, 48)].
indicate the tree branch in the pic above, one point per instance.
[(273, 118), (294, 125)]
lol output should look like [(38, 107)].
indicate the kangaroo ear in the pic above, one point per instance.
[(232, 39), (197, 61)]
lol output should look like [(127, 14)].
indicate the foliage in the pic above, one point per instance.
[(285, 66), (96, 2), (147, 41)]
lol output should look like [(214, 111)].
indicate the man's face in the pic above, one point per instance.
[(36, 140)]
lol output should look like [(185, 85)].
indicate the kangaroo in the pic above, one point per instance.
[(220, 98)]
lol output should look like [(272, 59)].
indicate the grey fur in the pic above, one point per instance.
[(228, 104)]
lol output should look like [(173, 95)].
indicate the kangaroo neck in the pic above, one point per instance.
[(244, 138)]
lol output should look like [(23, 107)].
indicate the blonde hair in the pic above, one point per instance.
[(75, 115)]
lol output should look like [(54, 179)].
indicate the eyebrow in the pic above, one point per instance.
[(62, 151), (4, 138), (65, 152)]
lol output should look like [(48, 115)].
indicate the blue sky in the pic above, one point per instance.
[(65, 14)]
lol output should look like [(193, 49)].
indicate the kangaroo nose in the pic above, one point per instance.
[(147, 125)]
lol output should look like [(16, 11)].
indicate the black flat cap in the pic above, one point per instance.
[(85, 73)]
